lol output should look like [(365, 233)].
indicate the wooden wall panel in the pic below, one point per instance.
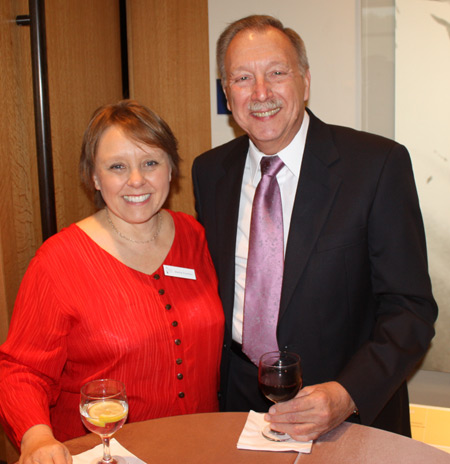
[(84, 67), (169, 72), (20, 231)]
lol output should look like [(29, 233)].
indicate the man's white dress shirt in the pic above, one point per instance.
[(287, 179)]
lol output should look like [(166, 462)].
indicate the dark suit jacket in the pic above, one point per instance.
[(356, 301)]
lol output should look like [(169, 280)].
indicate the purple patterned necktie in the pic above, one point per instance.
[(265, 265)]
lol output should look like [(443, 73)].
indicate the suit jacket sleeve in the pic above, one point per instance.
[(402, 325)]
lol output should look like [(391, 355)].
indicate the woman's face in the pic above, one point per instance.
[(133, 178)]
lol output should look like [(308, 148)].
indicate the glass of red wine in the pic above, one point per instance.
[(280, 379)]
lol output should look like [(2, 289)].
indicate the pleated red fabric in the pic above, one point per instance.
[(81, 314)]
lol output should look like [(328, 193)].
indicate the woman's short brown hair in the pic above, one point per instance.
[(139, 123)]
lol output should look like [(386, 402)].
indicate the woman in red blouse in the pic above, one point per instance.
[(129, 293)]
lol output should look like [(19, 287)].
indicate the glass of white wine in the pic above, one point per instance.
[(280, 379), (104, 409)]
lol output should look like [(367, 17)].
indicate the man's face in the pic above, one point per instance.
[(265, 89)]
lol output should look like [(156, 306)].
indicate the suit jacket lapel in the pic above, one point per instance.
[(314, 197), (228, 192)]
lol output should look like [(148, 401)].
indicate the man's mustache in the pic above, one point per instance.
[(265, 106)]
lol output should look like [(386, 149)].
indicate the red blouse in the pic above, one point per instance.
[(81, 314)]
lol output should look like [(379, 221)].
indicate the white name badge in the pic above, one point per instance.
[(181, 272)]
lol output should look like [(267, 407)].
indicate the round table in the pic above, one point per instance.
[(212, 438)]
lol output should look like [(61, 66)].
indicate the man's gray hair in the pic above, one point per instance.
[(258, 23)]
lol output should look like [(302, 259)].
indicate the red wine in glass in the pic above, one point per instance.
[(280, 379)]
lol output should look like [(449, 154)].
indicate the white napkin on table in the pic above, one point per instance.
[(117, 450), (252, 439)]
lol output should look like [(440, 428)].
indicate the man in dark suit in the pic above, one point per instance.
[(356, 301)]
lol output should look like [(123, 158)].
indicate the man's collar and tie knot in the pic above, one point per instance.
[(271, 165)]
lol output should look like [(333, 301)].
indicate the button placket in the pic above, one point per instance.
[(179, 371), (175, 331)]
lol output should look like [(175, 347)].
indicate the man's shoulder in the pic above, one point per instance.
[(343, 135)]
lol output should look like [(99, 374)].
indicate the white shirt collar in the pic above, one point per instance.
[(291, 155)]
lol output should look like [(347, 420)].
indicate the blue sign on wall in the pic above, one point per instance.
[(221, 99)]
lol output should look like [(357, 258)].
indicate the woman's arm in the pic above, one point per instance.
[(39, 445)]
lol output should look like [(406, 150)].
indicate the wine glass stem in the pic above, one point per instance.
[(106, 453)]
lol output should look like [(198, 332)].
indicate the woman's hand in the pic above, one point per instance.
[(40, 446)]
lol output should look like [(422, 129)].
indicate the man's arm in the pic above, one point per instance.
[(403, 322)]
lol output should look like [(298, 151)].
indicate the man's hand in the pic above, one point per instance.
[(40, 446), (314, 411)]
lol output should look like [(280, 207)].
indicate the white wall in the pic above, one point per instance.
[(378, 66), (330, 30), (423, 124), (399, 40)]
